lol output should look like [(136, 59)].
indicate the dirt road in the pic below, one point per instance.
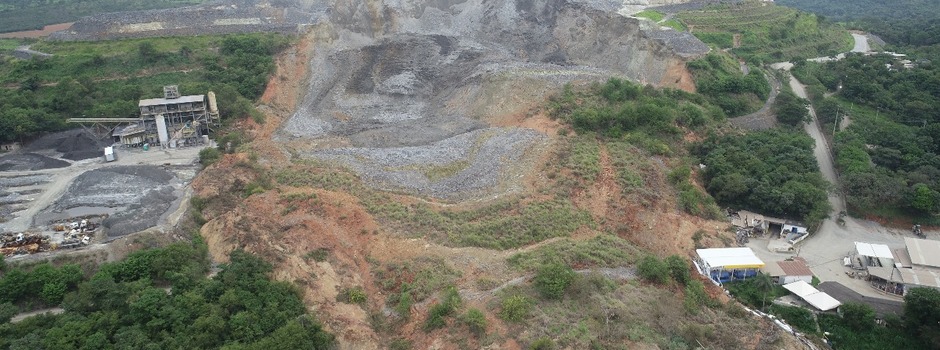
[(63, 177), (25, 315), (861, 43)]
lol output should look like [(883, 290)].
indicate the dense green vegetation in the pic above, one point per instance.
[(854, 327), (888, 157), (768, 33), (718, 77), (106, 79), (790, 109), (758, 292), (772, 171), (630, 118), (16, 15), (160, 299)]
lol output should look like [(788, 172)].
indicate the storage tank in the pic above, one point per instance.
[(213, 107)]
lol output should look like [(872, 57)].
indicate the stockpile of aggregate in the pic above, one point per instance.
[(76, 144), (141, 193), (29, 162)]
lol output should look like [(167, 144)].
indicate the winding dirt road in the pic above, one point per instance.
[(825, 249)]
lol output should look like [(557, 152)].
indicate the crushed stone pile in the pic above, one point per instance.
[(142, 193), (29, 162), (76, 144), (408, 85)]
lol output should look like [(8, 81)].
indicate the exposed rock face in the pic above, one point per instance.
[(400, 82), (410, 79)]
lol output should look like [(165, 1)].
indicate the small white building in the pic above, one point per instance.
[(877, 255), (812, 296), (728, 264)]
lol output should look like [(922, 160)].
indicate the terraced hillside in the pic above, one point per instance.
[(763, 32)]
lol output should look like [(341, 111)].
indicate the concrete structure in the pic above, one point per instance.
[(130, 135), (877, 255), (727, 264), (789, 271), (819, 300), (917, 265), (173, 120), (184, 118)]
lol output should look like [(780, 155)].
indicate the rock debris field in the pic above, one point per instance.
[(406, 89), (403, 92)]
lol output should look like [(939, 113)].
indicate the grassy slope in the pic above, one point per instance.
[(769, 33)]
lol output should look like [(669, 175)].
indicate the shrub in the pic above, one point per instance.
[(400, 344), (475, 320), (543, 343), (515, 308), (352, 296), (552, 279), (404, 302), (678, 269), (318, 255), (448, 305), (209, 155), (797, 317), (653, 270)]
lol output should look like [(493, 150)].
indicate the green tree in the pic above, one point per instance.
[(147, 51), (7, 311), (553, 278), (925, 199), (922, 314), (858, 316), (790, 109), (764, 285)]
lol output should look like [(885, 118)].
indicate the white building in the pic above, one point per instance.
[(728, 264)]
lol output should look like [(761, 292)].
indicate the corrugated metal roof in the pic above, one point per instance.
[(730, 257), (822, 301), (800, 288), (923, 252), (902, 257), (773, 270), (813, 296), (163, 101), (921, 277), (795, 268), (880, 251)]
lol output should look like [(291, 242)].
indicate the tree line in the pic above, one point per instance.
[(90, 80), (158, 299)]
